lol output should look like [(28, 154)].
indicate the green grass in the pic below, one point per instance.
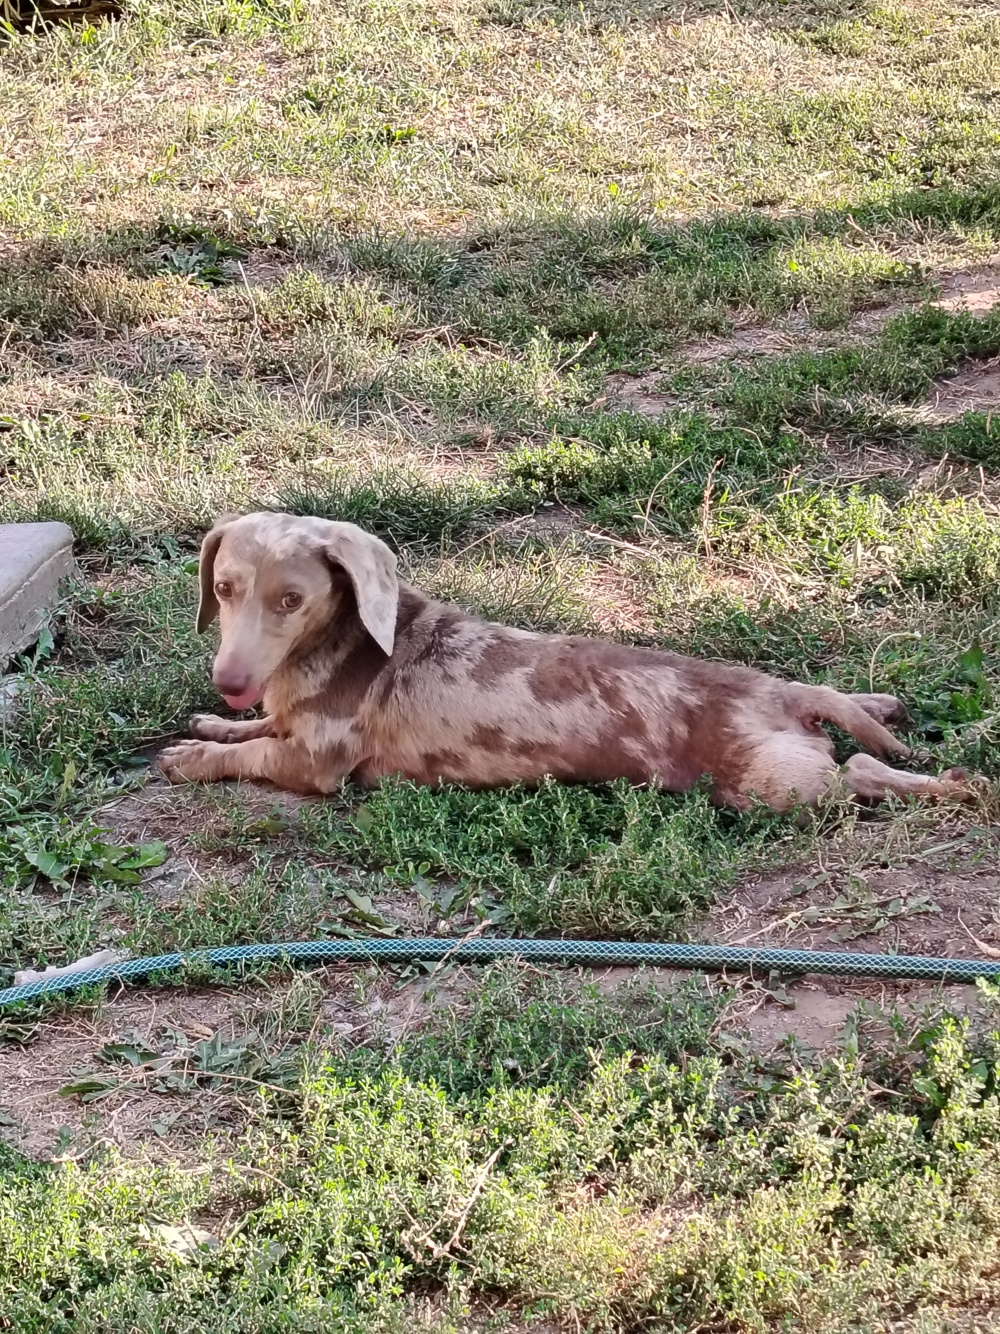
[(605, 863), (535, 1159), (377, 261)]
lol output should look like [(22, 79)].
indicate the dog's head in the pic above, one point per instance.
[(276, 581)]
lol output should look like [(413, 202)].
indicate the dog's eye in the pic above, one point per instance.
[(223, 589), (291, 600)]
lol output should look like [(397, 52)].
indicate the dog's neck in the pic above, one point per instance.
[(343, 647), (330, 646)]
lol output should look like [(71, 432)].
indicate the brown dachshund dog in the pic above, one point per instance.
[(362, 676)]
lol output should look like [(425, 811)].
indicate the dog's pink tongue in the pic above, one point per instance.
[(245, 701)]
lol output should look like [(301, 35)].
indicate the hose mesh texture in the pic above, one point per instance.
[(707, 958)]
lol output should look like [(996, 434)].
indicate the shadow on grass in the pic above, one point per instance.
[(630, 283), (447, 330), (800, 14)]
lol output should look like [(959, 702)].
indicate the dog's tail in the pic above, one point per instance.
[(820, 704)]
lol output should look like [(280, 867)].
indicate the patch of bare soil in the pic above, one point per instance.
[(918, 909), (820, 1013), (215, 832), (975, 389), (974, 290), (915, 908), (636, 393), (476, 457), (615, 605), (795, 334), (161, 1113), (641, 393), (41, 1121), (665, 980), (552, 522), (755, 341), (552, 519), (270, 268), (209, 831)]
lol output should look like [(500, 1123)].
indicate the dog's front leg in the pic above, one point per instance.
[(286, 764), (209, 727)]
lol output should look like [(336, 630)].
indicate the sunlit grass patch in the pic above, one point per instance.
[(391, 262)]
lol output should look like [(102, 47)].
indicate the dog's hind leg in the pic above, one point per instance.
[(789, 770), (870, 779)]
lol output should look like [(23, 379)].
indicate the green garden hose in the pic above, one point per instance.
[(593, 953)]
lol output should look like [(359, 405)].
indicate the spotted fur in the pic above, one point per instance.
[(364, 676)]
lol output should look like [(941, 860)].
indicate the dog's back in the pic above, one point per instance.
[(363, 675), (463, 700)]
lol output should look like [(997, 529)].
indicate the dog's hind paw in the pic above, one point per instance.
[(960, 784), (885, 709)]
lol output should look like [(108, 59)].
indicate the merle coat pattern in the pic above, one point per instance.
[(362, 675)]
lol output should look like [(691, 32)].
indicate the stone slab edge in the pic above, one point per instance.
[(24, 609)]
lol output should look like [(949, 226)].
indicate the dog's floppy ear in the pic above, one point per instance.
[(371, 567), (208, 603)]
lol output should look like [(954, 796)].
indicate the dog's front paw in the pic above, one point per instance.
[(186, 762), (209, 727)]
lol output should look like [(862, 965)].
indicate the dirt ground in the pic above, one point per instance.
[(935, 892), (165, 1105), (937, 897), (976, 388)]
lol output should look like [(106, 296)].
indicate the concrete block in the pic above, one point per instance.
[(35, 558)]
